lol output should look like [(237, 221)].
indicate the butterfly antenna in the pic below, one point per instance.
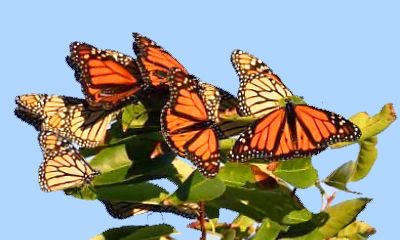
[(162, 217)]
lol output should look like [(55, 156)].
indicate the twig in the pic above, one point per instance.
[(322, 192), (202, 221)]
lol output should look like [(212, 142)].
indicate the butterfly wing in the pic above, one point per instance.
[(66, 116), (187, 126), (85, 128), (155, 61), (322, 127), (42, 106), (229, 106), (261, 138), (187, 210), (125, 209), (286, 134), (226, 104), (63, 167), (260, 89), (108, 77), (247, 64), (260, 94)]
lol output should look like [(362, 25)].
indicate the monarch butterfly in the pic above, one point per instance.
[(188, 123), (108, 78), (125, 209), (155, 61), (67, 116), (286, 127), (63, 167)]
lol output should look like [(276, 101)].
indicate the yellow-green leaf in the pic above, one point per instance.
[(366, 158), (298, 172), (357, 231), (134, 116), (341, 215)]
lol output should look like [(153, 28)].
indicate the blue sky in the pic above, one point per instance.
[(342, 56)]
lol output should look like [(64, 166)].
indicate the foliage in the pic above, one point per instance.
[(261, 193)]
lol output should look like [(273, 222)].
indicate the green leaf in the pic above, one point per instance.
[(86, 193), (258, 203), (117, 233), (134, 116), (229, 234), (360, 119), (243, 222), (228, 231), (268, 230), (314, 235), (379, 121), (341, 215), (297, 216), (366, 158), (236, 174), (136, 149), (225, 145), (130, 192), (198, 188), (341, 176), (355, 171), (357, 231), (130, 160), (111, 158), (306, 230), (183, 169), (327, 223), (155, 232), (297, 172)]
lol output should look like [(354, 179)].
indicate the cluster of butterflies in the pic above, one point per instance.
[(193, 119)]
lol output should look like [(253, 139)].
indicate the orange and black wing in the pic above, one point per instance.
[(63, 167), (108, 77), (188, 126), (317, 128), (261, 139), (294, 131), (155, 61)]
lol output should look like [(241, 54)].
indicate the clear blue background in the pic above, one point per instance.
[(342, 56)]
